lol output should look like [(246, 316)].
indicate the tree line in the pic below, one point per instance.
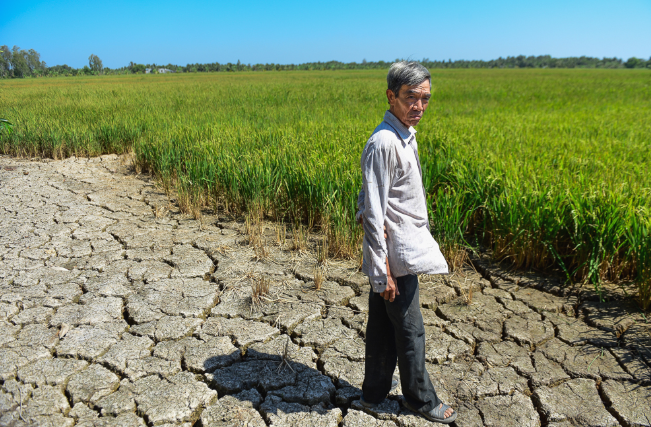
[(19, 63)]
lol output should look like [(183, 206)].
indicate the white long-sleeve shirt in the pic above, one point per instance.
[(393, 196)]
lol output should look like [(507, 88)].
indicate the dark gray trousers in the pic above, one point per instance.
[(395, 332)]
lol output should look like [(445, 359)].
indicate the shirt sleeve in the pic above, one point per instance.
[(378, 166)]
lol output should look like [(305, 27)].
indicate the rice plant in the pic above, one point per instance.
[(319, 277), (548, 168), (260, 293)]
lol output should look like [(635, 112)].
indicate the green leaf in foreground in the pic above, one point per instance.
[(6, 127)]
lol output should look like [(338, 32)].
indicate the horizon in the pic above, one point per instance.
[(68, 32), (387, 62)]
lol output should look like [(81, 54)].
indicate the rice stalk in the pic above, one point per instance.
[(259, 293), (319, 277)]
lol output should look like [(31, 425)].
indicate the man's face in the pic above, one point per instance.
[(411, 102)]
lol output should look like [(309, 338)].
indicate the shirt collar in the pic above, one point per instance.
[(405, 133)]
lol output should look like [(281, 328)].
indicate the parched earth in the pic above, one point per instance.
[(117, 310)]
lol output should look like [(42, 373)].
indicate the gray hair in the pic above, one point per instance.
[(410, 73)]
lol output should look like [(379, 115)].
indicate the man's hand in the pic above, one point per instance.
[(392, 288)]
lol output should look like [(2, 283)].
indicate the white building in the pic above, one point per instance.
[(160, 70)]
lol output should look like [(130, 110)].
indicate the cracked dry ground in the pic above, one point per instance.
[(116, 310)]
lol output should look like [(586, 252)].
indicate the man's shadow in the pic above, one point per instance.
[(277, 386), (295, 380)]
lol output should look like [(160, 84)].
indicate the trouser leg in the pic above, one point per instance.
[(409, 334), (381, 353)]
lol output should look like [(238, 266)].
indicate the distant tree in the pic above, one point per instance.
[(635, 63), (61, 70), (136, 68), (95, 64), (34, 63), (19, 63), (5, 62)]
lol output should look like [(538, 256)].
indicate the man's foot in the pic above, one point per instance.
[(394, 385), (442, 414), (367, 404)]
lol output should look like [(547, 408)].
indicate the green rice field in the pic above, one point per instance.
[(548, 168)]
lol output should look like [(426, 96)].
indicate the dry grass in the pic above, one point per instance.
[(128, 160), (322, 252), (466, 296), (281, 235), (523, 252), (191, 200), (319, 277), (160, 211), (342, 244), (254, 228), (260, 293), (456, 255), (261, 250), (285, 358), (299, 238)]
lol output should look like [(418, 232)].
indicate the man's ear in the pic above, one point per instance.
[(391, 97)]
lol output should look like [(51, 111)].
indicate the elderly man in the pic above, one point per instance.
[(397, 247)]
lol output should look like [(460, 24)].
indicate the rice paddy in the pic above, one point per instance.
[(548, 168)]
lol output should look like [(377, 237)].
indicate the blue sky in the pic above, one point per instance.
[(190, 31)]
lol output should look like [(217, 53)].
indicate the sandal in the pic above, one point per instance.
[(437, 414)]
